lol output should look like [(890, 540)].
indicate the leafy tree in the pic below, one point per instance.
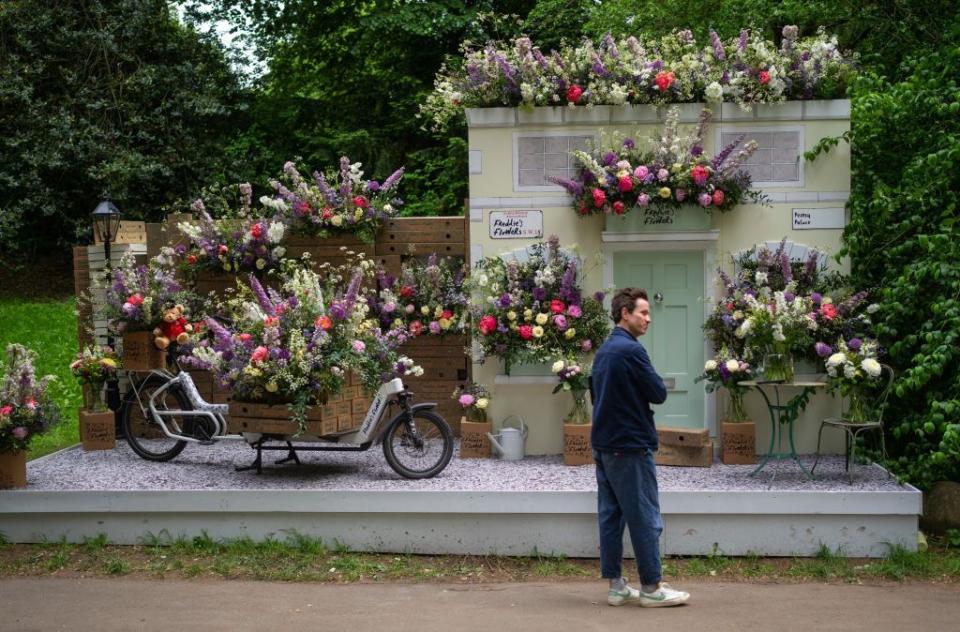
[(101, 99), (904, 240)]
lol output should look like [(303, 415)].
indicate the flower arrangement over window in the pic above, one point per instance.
[(726, 371), (298, 346), (534, 310), (669, 172), (342, 201), (852, 370), (474, 399), (427, 298), (672, 69), (137, 295), (575, 379), (779, 305), (26, 407), (93, 367)]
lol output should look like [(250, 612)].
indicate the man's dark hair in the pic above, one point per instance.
[(626, 297)]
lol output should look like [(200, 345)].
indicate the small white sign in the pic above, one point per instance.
[(521, 224), (818, 218)]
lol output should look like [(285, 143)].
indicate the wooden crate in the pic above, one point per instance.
[(139, 353), (691, 437), (686, 456)]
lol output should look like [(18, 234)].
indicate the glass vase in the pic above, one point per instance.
[(735, 408), (96, 403), (578, 413), (777, 366), (857, 409)]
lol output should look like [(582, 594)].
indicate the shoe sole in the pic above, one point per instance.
[(665, 603), (622, 603)]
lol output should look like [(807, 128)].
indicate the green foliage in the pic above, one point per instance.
[(103, 99), (904, 238)]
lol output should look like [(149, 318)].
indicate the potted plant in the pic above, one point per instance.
[(475, 425), (534, 310), (26, 410), (92, 368), (575, 380), (737, 432)]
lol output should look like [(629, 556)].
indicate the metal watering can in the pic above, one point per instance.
[(510, 446)]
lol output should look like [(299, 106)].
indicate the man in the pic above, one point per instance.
[(624, 439)]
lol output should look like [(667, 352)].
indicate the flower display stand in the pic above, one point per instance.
[(738, 441), (474, 443), (98, 430), (13, 469), (576, 444), (140, 353)]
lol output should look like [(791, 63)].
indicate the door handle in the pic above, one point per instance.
[(658, 297)]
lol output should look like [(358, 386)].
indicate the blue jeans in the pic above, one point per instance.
[(627, 497)]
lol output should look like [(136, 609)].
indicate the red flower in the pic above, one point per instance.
[(416, 328), (574, 93), (256, 230), (583, 208), (324, 323), (626, 184), (244, 337), (700, 175), (526, 332), (447, 314), (191, 259), (360, 201), (764, 77), (718, 197), (664, 80), (223, 249), (135, 299), (599, 197), (618, 207), (303, 208), (828, 311), (407, 291), (557, 306), (488, 324), (327, 213)]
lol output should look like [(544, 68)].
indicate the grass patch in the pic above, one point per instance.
[(48, 328)]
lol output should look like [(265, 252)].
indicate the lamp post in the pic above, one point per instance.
[(106, 224)]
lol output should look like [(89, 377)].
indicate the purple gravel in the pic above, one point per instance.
[(212, 468)]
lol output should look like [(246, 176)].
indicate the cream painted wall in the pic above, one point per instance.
[(745, 226)]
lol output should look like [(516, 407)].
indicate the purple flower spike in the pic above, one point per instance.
[(261, 295), (823, 350)]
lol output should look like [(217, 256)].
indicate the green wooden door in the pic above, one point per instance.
[(674, 339)]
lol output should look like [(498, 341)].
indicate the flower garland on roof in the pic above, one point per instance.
[(669, 172), (673, 69)]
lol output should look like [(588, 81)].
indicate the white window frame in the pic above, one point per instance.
[(552, 188), (770, 184)]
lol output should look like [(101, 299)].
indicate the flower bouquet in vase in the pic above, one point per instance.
[(92, 368), (26, 410), (854, 372), (737, 432), (474, 399), (774, 324), (574, 379)]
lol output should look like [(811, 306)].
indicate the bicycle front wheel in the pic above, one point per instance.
[(418, 445), (142, 430)]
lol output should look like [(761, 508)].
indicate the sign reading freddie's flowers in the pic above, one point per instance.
[(521, 224)]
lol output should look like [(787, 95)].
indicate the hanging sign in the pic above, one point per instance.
[(521, 224), (818, 218)]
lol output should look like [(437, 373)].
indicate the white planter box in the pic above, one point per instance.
[(491, 117), (789, 111), (732, 112), (689, 112), (598, 114), (832, 109), (540, 116), (633, 114)]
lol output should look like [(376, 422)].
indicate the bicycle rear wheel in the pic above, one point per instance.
[(142, 431), (420, 447)]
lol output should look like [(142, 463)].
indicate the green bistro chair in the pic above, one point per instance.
[(853, 429)]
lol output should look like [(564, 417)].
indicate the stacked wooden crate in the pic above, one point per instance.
[(446, 366)]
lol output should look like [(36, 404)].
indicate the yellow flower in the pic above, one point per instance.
[(527, 314), (445, 323), (357, 214), (425, 310), (514, 326), (272, 387), (664, 192), (570, 333), (537, 331), (482, 403), (676, 167), (542, 318), (252, 371), (110, 362), (438, 312), (511, 315), (226, 267), (397, 322)]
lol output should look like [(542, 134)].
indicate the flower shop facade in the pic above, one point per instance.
[(674, 254)]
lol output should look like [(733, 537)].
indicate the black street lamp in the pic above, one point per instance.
[(106, 225)]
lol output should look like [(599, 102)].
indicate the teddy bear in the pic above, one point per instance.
[(173, 327)]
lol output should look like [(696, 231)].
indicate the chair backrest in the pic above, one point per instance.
[(886, 372)]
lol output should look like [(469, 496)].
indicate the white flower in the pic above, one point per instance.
[(733, 366), (849, 371), (278, 252), (836, 359), (714, 92), (760, 277), (711, 365), (557, 366), (482, 403), (337, 220), (744, 328), (871, 366), (275, 232), (873, 308), (261, 264), (192, 231)]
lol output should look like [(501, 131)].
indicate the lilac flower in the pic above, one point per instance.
[(350, 298), (573, 187), (345, 188), (540, 59), (785, 267), (854, 344), (358, 346), (742, 43), (823, 350), (717, 44), (392, 181), (789, 296), (329, 194), (724, 153), (337, 311), (373, 186), (261, 296)]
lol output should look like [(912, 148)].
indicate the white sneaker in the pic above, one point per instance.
[(663, 597), (620, 597)]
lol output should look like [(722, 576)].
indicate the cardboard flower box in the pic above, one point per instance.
[(140, 353)]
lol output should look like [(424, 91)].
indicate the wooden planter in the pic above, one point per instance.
[(98, 430), (474, 442), (738, 440), (576, 444), (13, 469), (140, 353), (684, 447)]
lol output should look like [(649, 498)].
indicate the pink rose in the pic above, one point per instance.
[(664, 80), (643, 200), (718, 197), (434, 327), (526, 332), (259, 355), (574, 93), (764, 77), (557, 306), (358, 346), (6, 410), (625, 184), (466, 400), (19, 433), (641, 172), (360, 201), (256, 231), (618, 207), (487, 324), (560, 321), (574, 311), (416, 328), (599, 197), (700, 175), (222, 249), (409, 308), (681, 195), (705, 199)]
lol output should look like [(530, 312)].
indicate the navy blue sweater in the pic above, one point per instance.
[(624, 385)]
